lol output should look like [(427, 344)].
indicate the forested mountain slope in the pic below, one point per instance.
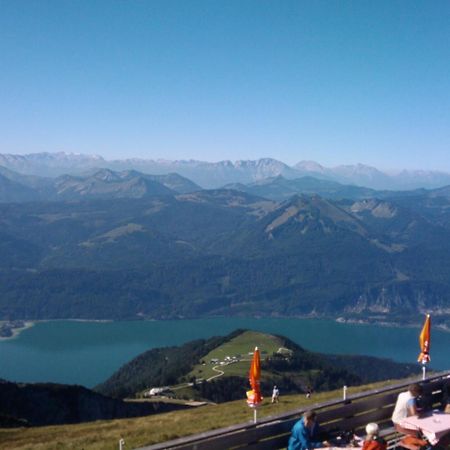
[(226, 252)]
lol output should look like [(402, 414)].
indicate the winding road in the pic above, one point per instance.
[(216, 369)]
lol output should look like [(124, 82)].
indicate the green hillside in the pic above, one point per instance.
[(216, 369), (159, 367), (284, 363), (105, 435), (236, 354)]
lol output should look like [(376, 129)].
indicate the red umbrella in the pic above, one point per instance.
[(254, 397)]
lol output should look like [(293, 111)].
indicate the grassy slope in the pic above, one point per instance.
[(104, 435), (243, 345)]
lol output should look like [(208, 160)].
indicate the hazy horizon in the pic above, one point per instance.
[(387, 170), (333, 82)]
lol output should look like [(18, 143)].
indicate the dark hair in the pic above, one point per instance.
[(415, 389), (309, 415)]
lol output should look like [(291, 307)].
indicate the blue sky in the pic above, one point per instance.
[(338, 82)]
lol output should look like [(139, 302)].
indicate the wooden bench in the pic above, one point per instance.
[(338, 415)]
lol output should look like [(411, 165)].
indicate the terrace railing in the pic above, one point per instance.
[(273, 432)]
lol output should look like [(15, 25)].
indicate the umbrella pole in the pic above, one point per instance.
[(424, 370), (254, 415)]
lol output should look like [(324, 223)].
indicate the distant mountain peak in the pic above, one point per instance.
[(106, 183), (107, 175), (309, 213), (358, 169), (377, 208), (269, 163), (64, 156), (310, 166)]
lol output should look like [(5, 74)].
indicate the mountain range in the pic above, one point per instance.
[(227, 252), (108, 244), (97, 184), (213, 175)]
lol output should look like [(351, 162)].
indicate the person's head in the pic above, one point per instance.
[(309, 417), (415, 389), (372, 430)]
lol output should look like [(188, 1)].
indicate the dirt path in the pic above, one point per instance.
[(220, 373)]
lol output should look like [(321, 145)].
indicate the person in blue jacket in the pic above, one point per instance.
[(305, 433)]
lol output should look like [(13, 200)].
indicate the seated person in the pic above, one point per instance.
[(424, 403), (406, 406), (372, 440), (305, 433), (446, 396)]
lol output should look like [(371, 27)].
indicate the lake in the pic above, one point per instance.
[(87, 353)]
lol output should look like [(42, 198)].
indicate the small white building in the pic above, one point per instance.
[(157, 391)]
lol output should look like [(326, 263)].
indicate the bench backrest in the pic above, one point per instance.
[(337, 415)]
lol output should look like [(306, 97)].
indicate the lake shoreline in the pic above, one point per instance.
[(16, 331), (87, 352)]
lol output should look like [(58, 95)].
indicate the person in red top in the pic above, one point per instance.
[(373, 441)]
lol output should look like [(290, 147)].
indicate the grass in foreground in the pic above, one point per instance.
[(105, 435)]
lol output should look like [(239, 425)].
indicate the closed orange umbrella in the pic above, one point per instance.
[(424, 341), (254, 397)]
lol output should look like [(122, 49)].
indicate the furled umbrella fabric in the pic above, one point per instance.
[(254, 397), (424, 341)]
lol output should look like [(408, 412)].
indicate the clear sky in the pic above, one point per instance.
[(338, 82)]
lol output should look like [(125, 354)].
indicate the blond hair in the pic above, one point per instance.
[(372, 429)]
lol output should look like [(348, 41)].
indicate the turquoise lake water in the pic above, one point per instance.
[(87, 353)]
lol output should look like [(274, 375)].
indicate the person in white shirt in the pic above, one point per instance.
[(406, 406)]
